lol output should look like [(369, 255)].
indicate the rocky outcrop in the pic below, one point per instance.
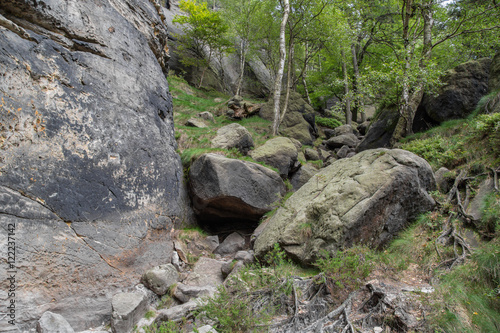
[(128, 308), (299, 121), (89, 175), (463, 88), (366, 199), (280, 153), (381, 129), (233, 136), (494, 79), (224, 188), (53, 323)]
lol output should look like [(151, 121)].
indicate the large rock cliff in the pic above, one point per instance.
[(89, 176)]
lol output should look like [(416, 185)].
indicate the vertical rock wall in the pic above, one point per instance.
[(89, 175)]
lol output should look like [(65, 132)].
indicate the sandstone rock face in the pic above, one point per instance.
[(347, 139), (302, 176), (381, 129), (299, 122), (464, 87), (280, 153), (366, 199), (89, 175), (227, 188), (233, 136)]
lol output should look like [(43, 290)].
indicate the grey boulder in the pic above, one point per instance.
[(346, 139), (160, 278), (127, 308), (233, 136), (229, 188), (53, 323), (280, 153), (366, 199), (232, 244)]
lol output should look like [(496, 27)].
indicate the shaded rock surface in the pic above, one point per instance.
[(494, 79), (88, 169), (366, 199), (232, 244), (464, 87), (280, 153), (302, 176), (228, 188), (381, 129)]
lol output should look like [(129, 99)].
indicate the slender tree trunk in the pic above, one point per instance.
[(243, 50), (289, 78), (304, 76), (348, 114), (360, 105), (279, 75)]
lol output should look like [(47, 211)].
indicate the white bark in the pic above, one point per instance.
[(279, 76)]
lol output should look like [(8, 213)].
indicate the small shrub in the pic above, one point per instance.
[(150, 314), (328, 122), (164, 327), (345, 270)]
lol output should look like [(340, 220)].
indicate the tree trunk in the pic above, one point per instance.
[(348, 115), (289, 79), (360, 105), (242, 66), (410, 102), (279, 75)]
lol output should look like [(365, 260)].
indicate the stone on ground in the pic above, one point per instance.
[(53, 323), (230, 188), (233, 136), (280, 153), (127, 309), (232, 244), (160, 278)]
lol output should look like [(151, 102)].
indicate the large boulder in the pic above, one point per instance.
[(224, 188), (53, 323), (89, 175), (280, 153), (464, 86), (299, 121), (160, 278), (366, 199), (233, 136), (128, 308)]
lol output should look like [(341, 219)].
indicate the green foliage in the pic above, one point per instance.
[(150, 314), (345, 270), (164, 327), (328, 122), (470, 294), (490, 221)]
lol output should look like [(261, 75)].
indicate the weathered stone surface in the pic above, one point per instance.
[(464, 87), (342, 152), (206, 272), (196, 122), (363, 127), (302, 176), (347, 139), (206, 329), (299, 122), (176, 313), (444, 179), (247, 257), (280, 153), (329, 133), (232, 244), (476, 205), (208, 116), (232, 188), (88, 169), (344, 129), (311, 154), (364, 200), (160, 278), (128, 308), (381, 129), (53, 323), (233, 136), (184, 292)]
